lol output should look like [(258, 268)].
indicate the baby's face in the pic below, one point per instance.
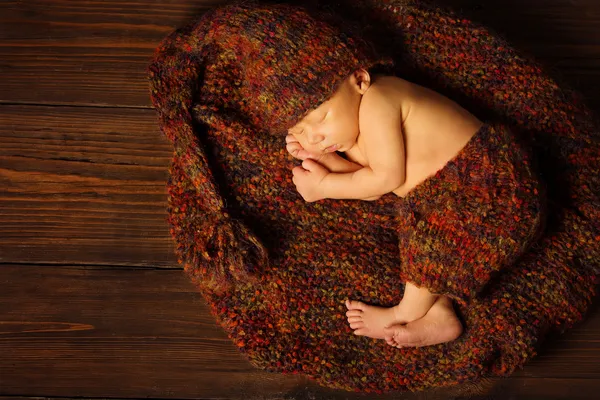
[(333, 126)]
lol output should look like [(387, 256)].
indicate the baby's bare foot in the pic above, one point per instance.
[(369, 320), (439, 325)]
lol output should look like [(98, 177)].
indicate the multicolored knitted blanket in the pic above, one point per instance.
[(286, 313)]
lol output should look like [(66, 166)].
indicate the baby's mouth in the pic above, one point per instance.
[(331, 148)]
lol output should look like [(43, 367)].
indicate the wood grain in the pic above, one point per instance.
[(83, 185), (93, 303), (96, 52), (147, 333), (83, 52)]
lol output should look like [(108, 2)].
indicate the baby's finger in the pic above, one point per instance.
[(296, 153), (296, 150), (311, 165), (294, 146), (303, 154), (298, 170), (291, 139)]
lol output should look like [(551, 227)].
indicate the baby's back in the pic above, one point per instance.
[(434, 127)]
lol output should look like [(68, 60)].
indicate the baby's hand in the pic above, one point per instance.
[(294, 147), (308, 180)]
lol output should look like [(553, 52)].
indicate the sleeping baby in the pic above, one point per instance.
[(395, 134)]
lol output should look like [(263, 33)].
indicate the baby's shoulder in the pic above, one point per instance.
[(391, 87), (388, 98)]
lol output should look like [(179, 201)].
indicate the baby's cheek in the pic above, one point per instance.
[(308, 146), (302, 140)]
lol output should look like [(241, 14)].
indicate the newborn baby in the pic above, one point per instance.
[(394, 134)]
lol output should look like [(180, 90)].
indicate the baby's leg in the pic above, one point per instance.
[(415, 302)]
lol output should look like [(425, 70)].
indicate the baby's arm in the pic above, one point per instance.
[(380, 126), (339, 165), (332, 161)]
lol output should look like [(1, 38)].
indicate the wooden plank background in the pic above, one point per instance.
[(93, 303)]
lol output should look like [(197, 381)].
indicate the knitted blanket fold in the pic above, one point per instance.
[(473, 219), (235, 215)]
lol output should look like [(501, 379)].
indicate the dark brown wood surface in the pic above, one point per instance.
[(93, 303)]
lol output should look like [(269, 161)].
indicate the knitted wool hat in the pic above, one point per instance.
[(287, 61), (234, 212), (265, 66)]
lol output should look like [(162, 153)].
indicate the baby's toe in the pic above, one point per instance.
[(355, 305), (357, 324), (354, 313)]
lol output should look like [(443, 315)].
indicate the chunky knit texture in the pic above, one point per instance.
[(474, 217), (276, 270)]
